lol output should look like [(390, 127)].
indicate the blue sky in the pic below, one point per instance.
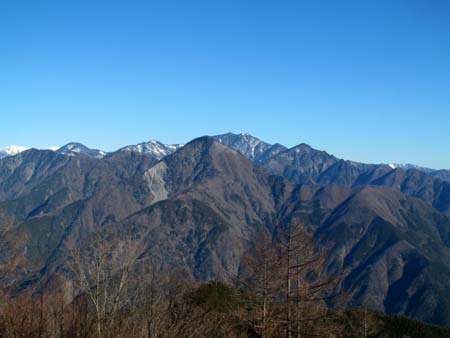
[(364, 80)]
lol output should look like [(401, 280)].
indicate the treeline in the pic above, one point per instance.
[(207, 310), (110, 289), (213, 309), (210, 310)]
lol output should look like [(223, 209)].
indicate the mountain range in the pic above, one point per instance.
[(250, 146), (201, 205)]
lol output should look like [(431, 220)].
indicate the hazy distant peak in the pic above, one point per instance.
[(11, 150)]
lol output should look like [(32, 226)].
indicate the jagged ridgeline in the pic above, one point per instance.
[(201, 207)]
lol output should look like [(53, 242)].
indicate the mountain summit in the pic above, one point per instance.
[(250, 146), (74, 148), (154, 148), (11, 150)]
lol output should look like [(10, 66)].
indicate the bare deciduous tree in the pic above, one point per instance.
[(102, 272), (308, 286), (262, 276)]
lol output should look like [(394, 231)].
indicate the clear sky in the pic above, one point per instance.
[(364, 80)]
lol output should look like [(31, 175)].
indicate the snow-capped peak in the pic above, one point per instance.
[(245, 143), (153, 147), (13, 150), (74, 149)]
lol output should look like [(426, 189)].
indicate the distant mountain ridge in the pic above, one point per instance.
[(74, 149), (200, 207), (303, 164), (306, 165), (253, 148), (257, 150), (11, 150), (250, 146), (407, 166), (154, 148)]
